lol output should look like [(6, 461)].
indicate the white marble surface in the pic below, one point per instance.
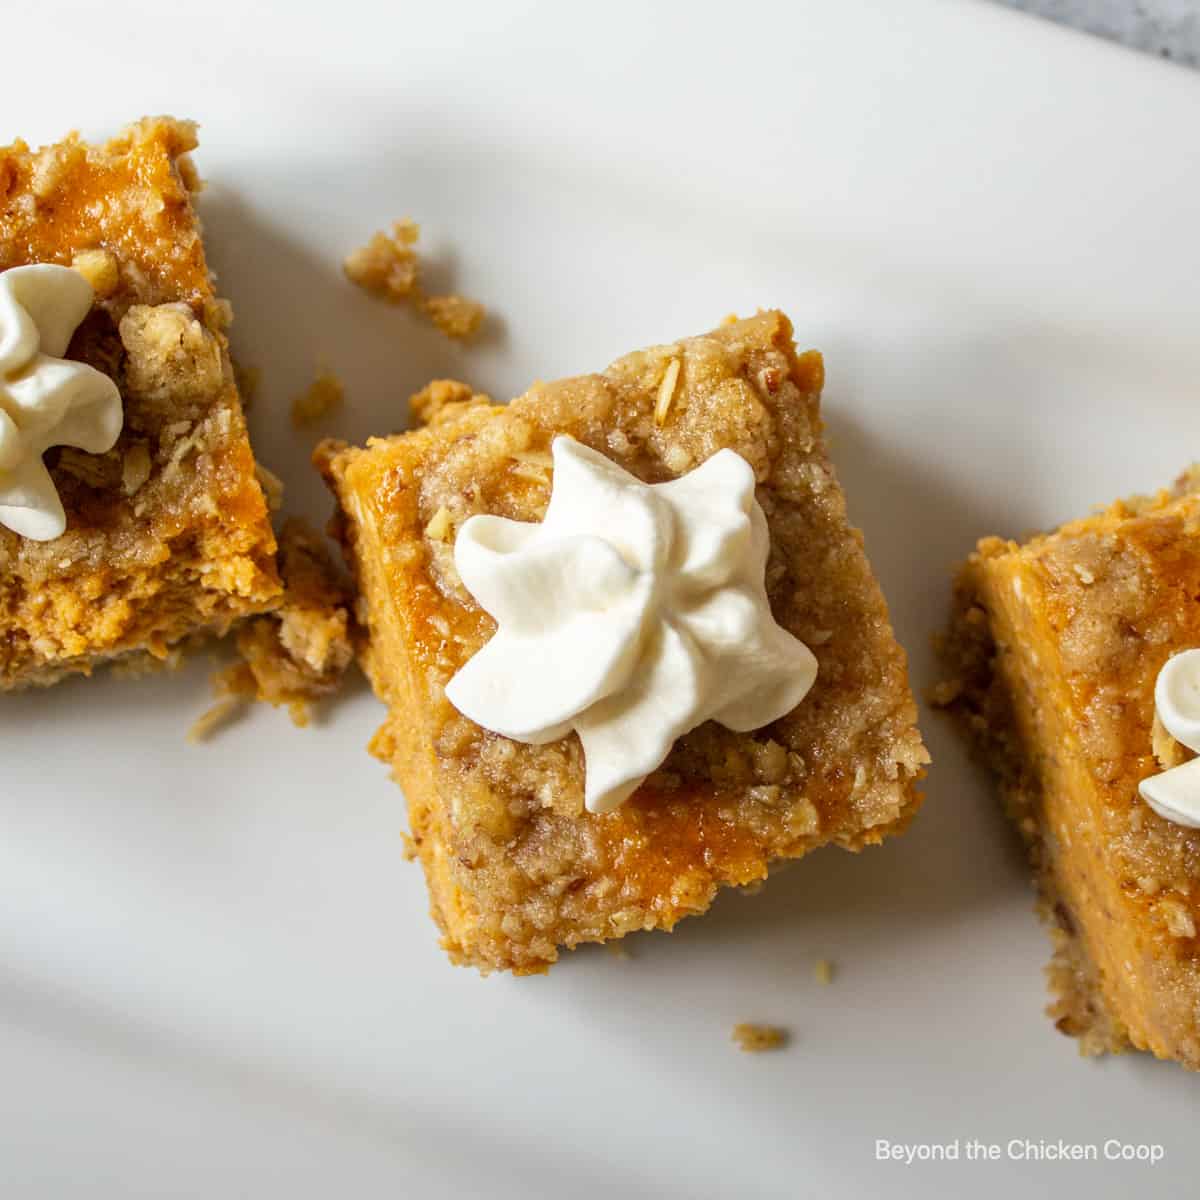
[(1168, 28)]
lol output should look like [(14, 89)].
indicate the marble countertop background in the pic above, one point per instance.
[(1168, 28)]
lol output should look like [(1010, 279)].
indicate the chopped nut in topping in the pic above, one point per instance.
[(99, 268), (1178, 920), (324, 394), (754, 1038), (677, 459), (666, 392), (456, 316), (439, 525), (135, 467)]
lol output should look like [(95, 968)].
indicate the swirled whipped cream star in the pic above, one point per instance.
[(631, 614), (46, 400)]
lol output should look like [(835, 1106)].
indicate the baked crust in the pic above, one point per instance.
[(516, 867), (1054, 650), (168, 533)]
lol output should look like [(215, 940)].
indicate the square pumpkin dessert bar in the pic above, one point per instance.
[(1071, 672), (632, 650), (130, 512)]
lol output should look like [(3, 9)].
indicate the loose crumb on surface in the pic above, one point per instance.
[(618, 950), (823, 970), (212, 719), (754, 1039), (388, 267), (458, 317), (322, 396)]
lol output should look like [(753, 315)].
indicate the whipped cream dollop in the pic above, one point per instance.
[(46, 400), (1175, 794), (630, 614)]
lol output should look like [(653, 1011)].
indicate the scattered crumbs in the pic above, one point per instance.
[(409, 851), (271, 485), (324, 394), (439, 525), (754, 1039), (666, 392), (456, 316), (219, 714), (619, 950), (387, 265), (729, 319), (823, 970), (248, 380), (300, 651)]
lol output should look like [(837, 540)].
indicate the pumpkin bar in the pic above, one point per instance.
[(517, 867), (167, 535), (1054, 652)]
